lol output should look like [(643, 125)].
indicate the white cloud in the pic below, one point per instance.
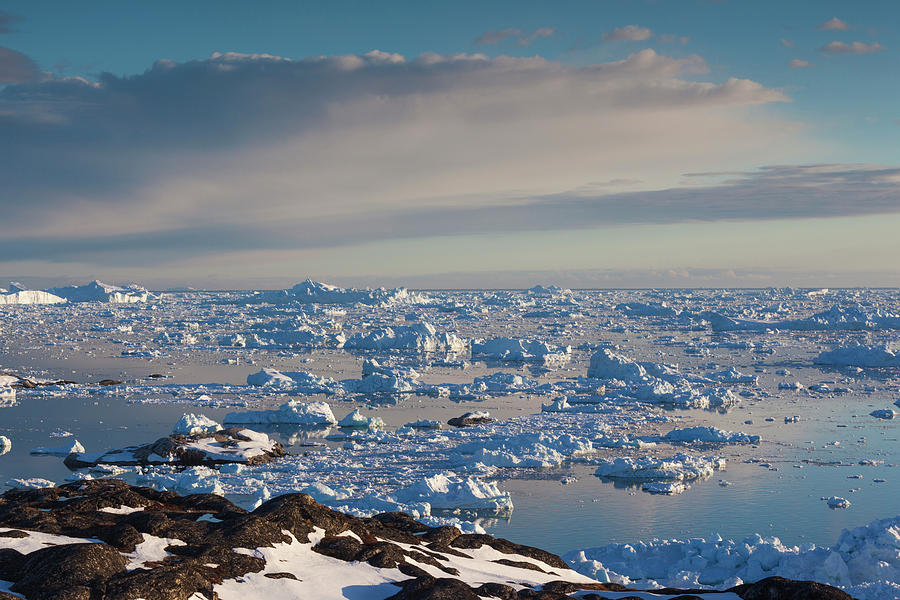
[(631, 33), (853, 48), (799, 64), (834, 24)]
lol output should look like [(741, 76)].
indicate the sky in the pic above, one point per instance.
[(600, 143)]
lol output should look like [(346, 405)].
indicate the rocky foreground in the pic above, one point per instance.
[(105, 539)]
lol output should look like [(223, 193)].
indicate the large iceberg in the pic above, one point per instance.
[(294, 412), (514, 350), (421, 336), (97, 291), (860, 356), (21, 296), (314, 292)]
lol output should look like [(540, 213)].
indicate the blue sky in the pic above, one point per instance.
[(610, 105)]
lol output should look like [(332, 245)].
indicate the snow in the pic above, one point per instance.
[(865, 561), (190, 424), (36, 540), (5, 445), (293, 411), (152, 549)]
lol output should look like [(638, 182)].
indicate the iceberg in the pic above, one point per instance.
[(294, 412), (97, 291), (29, 297)]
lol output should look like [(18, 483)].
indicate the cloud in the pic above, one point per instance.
[(496, 36), (15, 67), (539, 33), (787, 43), (799, 64), (670, 38), (834, 24), (245, 152), (854, 48), (8, 21), (631, 33), (522, 39)]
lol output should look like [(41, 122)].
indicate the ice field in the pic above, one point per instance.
[(653, 437)]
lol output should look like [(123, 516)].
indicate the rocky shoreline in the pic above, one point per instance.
[(107, 540)]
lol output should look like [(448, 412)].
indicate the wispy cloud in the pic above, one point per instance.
[(799, 64), (539, 33), (496, 36), (8, 21), (852, 48), (630, 33), (834, 24)]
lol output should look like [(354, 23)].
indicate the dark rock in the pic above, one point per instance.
[(474, 540), (13, 533), (110, 382), (497, 590), (67, 566), (11, 562), (342, 547), (281, 576), (435, 589), (779, 588)]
